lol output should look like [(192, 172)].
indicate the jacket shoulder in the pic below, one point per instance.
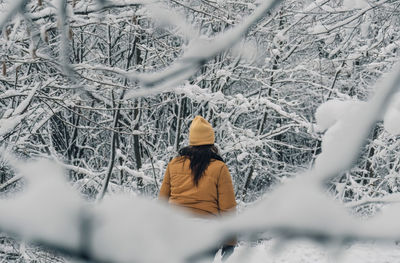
[(214, 164), (176, 160), (217, 164)]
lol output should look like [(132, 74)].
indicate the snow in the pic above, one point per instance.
[(12, 8), (11, 118), (303, 251), (281, 36), (364, 28), (246, 50), (352, 4), (8, 124), (197, 52), (9, 93), (348, 124), (132, 229), (43, 32), (251, 6), (121, 228), (164, 16), (275, 52), (135, 173), (383, 224), (299, 205), (223, 73), (126, 228), (48, 210), (389, 49), (46, 11), (221, 2), (339, 146), (7, 113), (317, 29), (392, 121), (330, 112), (25, 103), (354, 56), (155, 229), (242, 156), (195, 93)]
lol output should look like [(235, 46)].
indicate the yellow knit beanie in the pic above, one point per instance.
[(201, 132)]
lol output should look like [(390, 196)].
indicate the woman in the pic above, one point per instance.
[(198, 178)]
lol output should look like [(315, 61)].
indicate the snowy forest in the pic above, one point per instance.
[(97, 96)]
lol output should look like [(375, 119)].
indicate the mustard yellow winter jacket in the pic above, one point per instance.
[(213, 196)]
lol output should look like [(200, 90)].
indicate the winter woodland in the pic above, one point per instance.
[(97, 96)]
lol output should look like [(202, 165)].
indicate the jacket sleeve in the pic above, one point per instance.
[(226, 195), (165, 190)]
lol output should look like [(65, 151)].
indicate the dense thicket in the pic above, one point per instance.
[(66, 93)]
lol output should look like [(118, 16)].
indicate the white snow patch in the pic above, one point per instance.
[(7, 114), (389, 49), (300, 204), (195, 93), (148, 233), (354, 56), (7, 125), (391, 120), (303, 251), (331, 111), (354, 4), (221, 2), (48, 209), (317, 29), (223, 73), (242, 156), (251, 6), (364, 28), (165, 16)]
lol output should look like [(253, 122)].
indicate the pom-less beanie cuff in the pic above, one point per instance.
[(201, 132)]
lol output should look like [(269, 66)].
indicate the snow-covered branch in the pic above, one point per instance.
[(126, 229), (198, 53), (347, 132)]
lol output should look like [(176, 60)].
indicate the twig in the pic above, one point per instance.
[(10, 182)]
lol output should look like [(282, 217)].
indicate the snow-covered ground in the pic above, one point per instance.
[(307, 252)]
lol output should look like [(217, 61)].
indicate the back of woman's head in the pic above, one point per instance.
[(200, 158), (201, 132)]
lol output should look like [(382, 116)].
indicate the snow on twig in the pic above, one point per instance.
[(10, 182), (122, 229), (23, 106), (393, 198), (85, 8), (328, 29), (8, 123), (198, 53), (119, 229), (13, 8), (163, 15)]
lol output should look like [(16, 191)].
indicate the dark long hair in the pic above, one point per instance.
[(200, 157)]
